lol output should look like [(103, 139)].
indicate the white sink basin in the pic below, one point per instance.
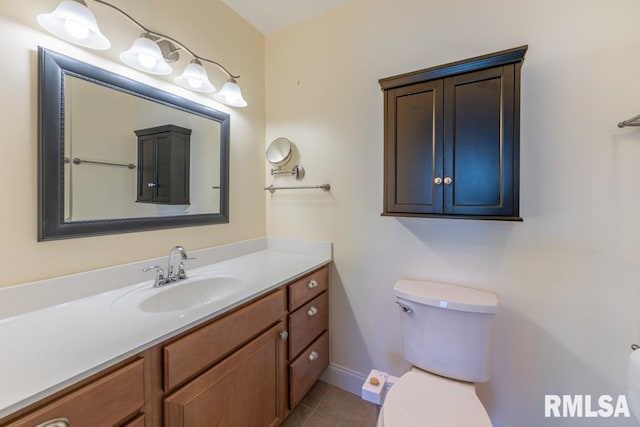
[(190, 294)]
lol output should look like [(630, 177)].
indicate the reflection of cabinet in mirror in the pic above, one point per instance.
[(163, 165)]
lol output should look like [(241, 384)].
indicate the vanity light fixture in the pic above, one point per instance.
[(230, 94), (151, 52), (194, 77), (145, 55), (74, 22)]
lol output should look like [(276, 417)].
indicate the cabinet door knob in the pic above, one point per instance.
[(313, 356), (447, 180), (284, 335), (58, 422), (437, 180), (312, 311), (151, 184), (312, 284)]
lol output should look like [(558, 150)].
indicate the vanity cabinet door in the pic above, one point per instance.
[(246, 389)]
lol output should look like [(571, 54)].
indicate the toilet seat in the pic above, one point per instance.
[(421, 399)]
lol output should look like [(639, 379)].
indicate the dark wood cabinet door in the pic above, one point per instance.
[(163, 167), (146, 168), (479, 143), (414, 148)]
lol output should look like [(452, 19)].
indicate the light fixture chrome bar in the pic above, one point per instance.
[(633, 121), (165, 37), (272, 189), (77, 161)]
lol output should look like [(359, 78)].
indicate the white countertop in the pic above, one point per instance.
[(54, 346)]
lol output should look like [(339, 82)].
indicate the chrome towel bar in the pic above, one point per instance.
[(633, 121), (272, 189), (77, 161)]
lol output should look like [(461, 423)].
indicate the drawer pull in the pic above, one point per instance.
[(312, 284), (284, 335), (312, 311), (58, 422), (313, 356)]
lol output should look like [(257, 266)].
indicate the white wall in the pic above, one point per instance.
[(209, 28), (567, 277)]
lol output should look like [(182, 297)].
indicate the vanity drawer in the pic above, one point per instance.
[(310, 286), (196, 351), (305, 370), (105, 402), (307, 322)]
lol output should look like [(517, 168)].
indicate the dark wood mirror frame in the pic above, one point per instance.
[(52, 67)]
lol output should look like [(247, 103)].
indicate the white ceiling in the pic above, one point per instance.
[(273, 15)]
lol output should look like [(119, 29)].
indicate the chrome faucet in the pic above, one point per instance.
[(171, 276)]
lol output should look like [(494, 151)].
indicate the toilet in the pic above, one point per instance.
[(448, 333)]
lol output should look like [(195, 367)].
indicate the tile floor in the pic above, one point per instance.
[(329, 406)]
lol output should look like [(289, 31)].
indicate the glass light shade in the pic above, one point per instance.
[(74, 22), (195, 78), (230, 94), (145, 55)]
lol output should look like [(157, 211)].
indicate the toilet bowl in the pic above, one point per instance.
[(421, 399), (447, 332)]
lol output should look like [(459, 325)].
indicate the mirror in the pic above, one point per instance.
[(91, 165), (279, 152)]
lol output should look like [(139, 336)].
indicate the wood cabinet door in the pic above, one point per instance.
[(479, 158), (163, 167), (146, 168), (413, 148), (245, 389)]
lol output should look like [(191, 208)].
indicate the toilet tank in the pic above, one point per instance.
[(447, 329)]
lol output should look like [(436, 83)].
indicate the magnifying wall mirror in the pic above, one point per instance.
[(279, 153)]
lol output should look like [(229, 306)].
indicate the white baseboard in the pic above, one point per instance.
[(344, 378)]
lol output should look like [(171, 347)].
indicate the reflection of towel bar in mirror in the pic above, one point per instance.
[(77, 161), (272, 189)]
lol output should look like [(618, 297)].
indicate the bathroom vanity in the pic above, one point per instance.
[(244, 357)]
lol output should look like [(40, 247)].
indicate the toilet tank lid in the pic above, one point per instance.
[(452, 297)]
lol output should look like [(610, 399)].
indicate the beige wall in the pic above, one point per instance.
[(567, 277), (209, 28)]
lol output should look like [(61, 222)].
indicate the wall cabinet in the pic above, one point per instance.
[(163, 165), (452, 139), (247, 367)]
